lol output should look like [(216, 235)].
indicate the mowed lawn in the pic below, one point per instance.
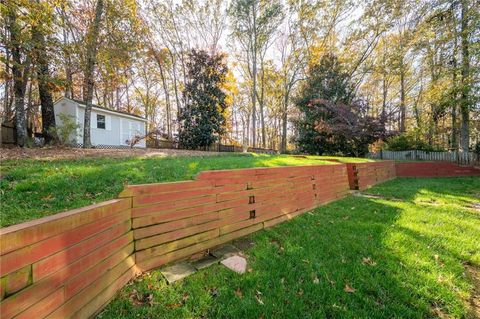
[(32, 189), (402, 254)]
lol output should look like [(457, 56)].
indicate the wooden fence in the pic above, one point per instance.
[(7, 134), (463, 158)]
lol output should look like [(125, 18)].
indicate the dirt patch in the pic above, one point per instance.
[(243, 243), (475, 206), (438, 312), (473, 273), (53, 153), (372, 196)]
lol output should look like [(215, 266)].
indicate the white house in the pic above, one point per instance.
[(108, 128)]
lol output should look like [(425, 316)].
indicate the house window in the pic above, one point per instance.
[(101, 121)]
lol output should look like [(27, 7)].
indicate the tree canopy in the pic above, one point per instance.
[(412, 65)]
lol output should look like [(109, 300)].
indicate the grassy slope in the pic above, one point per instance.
[(31, 189), (418, 243)]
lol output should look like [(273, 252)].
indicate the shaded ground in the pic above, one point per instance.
[(474, 275), (55, 153), (360, 257)]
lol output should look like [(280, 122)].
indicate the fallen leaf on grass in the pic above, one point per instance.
[(174, 305), (275, 242), (332, 282), (438, 260), (257, 296), (239, 293), (368, 261), (349, 289), (139, 299), (48, 197), (214, 292)]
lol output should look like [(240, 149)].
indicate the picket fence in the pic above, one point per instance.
[(463, 158)]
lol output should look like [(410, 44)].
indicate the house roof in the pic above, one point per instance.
[(103, 108)]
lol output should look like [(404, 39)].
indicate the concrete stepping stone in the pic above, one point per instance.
[(237, 264), (225, 251), (205, 262), (177, 272)]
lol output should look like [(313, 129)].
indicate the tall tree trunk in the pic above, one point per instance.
[(175, 86), (254, 75), (454, 143), (402, 97), (30, 112), (384, 87), (20, 73), (165, 90), (7, 105), (44, 87), (68, 59), (465, 98), (262, 105), (283, 145), (92, 43)]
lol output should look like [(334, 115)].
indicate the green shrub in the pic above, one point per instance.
[(406, 142), (476, 149), (63, 134)]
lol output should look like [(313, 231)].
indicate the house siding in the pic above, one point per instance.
[(118, 128), (68, 108)]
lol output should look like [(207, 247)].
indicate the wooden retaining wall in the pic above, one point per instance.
[(434, 169), (71, 264), (172, 221), (66, 265), (364, 175)]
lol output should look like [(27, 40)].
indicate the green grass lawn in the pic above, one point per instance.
[(31, 189), (401, 255)]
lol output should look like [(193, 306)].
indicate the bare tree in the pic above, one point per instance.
[(253, 24)]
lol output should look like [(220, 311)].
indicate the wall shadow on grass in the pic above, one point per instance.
[(401, 259)]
